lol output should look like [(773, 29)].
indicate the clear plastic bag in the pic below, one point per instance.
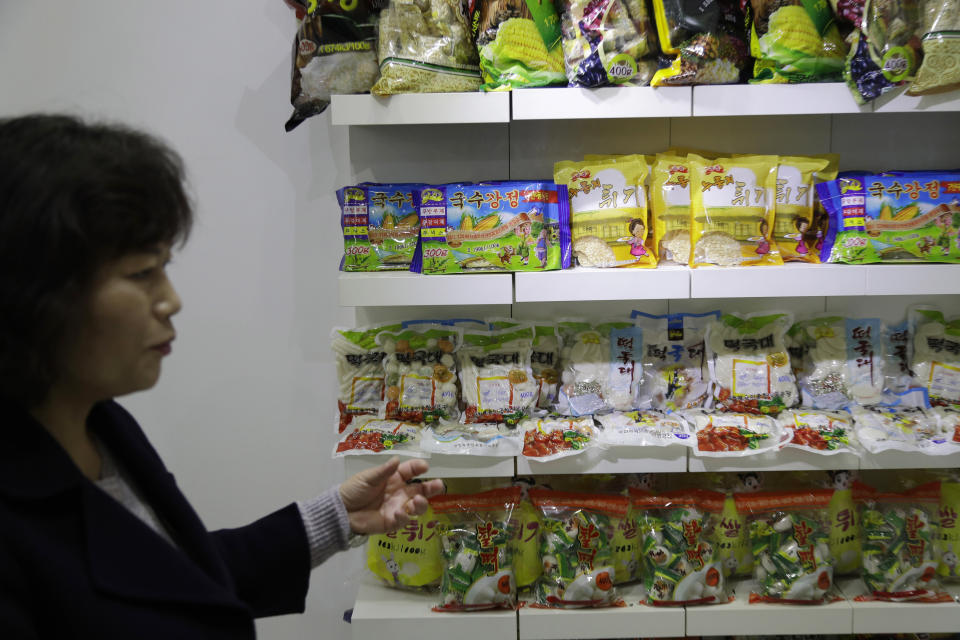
[(644, 429), (495, 374), (368, 435), (553, 437), (602, 366), (360, 376), (544, 358), (822, 432), (936, 355), (735, 434)]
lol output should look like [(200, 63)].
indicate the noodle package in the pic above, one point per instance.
[(495, 375), (936, 356), (798, 232), (602, 367), (409, 558), (420, 373), (359, 362), (380, 226), (670, 208)]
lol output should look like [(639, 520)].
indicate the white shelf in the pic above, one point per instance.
[(740, 618), (421, 108), (564, 103), (911, 279), (442, 466), (898, 102), (775, 99), (582, 283), (792, 279), (632, 621), (785, 460), (899, 617), (403, 288), (908, 460), (671, 459)]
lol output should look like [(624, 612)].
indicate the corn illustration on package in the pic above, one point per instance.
[(494, 226), (798, 231), (795, 41), (670, 208), (380, 226), (732, 207)]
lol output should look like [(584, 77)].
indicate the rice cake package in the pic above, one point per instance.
[(410, 557), (495, 375), (360, 376), (732, 205), (644, 429), (576, 548), (544, 358), (602, 366), (497, 226), (380, 225), (420, 373), (368, 435), (818, 431), (797, 231), (721, 435), (476, 541), (795, 42), (474, 439), (670, 208), (936, 355)]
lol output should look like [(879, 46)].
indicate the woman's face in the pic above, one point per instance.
[(124, 329)]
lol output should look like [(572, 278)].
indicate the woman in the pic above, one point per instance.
[(95, 538)]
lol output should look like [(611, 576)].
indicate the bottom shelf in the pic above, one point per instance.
[(900, 617)]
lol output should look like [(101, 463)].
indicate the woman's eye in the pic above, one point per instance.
[(142, 274)]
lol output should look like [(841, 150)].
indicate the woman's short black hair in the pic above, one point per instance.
[(73, 195)]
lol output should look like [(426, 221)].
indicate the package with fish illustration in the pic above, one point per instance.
[(380, 226), (408, 558), (494, 226), (899, 216)]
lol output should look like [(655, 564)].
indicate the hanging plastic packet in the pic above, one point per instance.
[(905, 216), (602, 367), (553, 437), (790, 534), (611, 42), (360, 376), (681, 565), (519, 44), (817, 431), (332, 54), (420, 373), (939, 71), (544, 358), (576, 548), (409, 558), (732, 204), (425, 47), (795, 42), (749, 364), (608, 211), (475, 439), (380, 226), (885, 51), (670, 208), (368, 435), (898, 348), (795, 228), (722, 435), (707, 39), (936, 355), (644, 429), (476, 540), (495, 375), (674, 360), (496, 226), (845, 362), (949, 538), (900, 544)]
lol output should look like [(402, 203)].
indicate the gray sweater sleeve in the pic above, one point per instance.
[(327, 525)]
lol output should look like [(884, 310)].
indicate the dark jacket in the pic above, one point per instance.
[(75, 563)]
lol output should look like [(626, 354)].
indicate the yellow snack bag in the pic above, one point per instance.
[(732, 211), (732, 538), (409, 558), (670, 208), (608, 211), (844, 539), (949, 531), (649, 160), (798, 238), (626, 548), (526, 544)]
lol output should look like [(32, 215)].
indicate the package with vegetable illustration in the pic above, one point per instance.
[(380, 226)]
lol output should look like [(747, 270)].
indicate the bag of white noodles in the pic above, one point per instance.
[(936, 355), (674, 360), (544, 358), (495, 374), (360, 376)]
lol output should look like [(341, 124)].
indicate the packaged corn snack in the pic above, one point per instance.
[(749, 365), (576, 548), (359, 361), (674, 360), (544, 358), (790, 535), (898, 346), (602, 366), (476, 541), (495, 375), (735, 434), (670, 208), (497, 226), (818, 431), (475, 439), (644, 429), (795, 42), (380, 226), (420, 372), (519, 44), (845, 531), (409, 558), (900, 553), (949, 538), (892, 217), (732, 208), (939, 72), (681, 564), (608, 211), (885, 50), (369, 435), (795, 227), (552, 437), (936, 355)]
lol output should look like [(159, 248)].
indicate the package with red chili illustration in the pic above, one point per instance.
[(552, 437), (370, 435), (495, 374), (790, 536), (576, 548), (681, 566), (359, 361), (823, 432), (735, 434)]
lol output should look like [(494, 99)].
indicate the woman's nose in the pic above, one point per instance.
[(169, 303)]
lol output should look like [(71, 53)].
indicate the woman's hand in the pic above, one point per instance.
[(383, 499)]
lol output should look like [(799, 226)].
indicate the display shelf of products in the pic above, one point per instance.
[(632, 621), (899, 102), (671, 459), (775, 99), (899, 617), (585, 283), (403, 288), (740, 618), (908, 460), (792, 279), (789, 459), (563, 103), (421, 108), (443, 466), (911, 279)]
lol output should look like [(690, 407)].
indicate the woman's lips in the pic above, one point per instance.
[(164, 348)]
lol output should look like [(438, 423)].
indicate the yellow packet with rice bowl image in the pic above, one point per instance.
[(670, 208), (799, 233)]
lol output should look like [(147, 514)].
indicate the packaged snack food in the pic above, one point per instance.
[(476, 439), (936, 355), (425, 47), (795, 42), (898, 347), (501, 226), (576, 547), (885, 49), (420, 373), (681, 563), (627, 542), (732, 540), (552, 437), (823, 432), (608, 211), (883, 427), (608, 43), (949, 538), (544, 358), (849, 13), (476, 540), (732, 208), (707, 39), (410, 557), (519, 43), (674, 360), (495, 375), (525, 523), (844, 523), (795, 228), (380, 226), (947, 421), (332, 53), (359, 361), (644, 429), (369, 435), (939, 71), (790, 534), (907, 216), (899, 543), (735, 434), (749, 365), (602, 366), (670, 208)]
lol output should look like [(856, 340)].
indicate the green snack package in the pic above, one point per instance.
[(526, 544), (949, 539), (732, 539), (409, 558)]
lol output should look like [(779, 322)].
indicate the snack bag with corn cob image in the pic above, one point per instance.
[(519, 43), (493, 226), (795, 41), (380, 226)]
